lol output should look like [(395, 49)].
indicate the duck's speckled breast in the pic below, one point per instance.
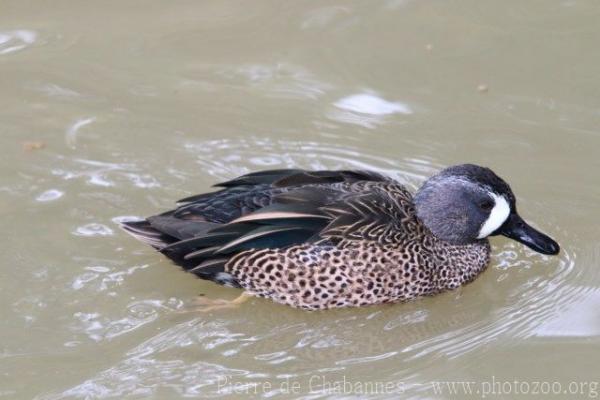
[(358, 273)]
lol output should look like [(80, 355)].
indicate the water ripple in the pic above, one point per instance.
[(73, 130), (49, 195), (93, 229), (522, 295), (103, 173), (225, 158)]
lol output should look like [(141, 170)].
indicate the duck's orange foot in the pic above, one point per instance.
[(205, 304)]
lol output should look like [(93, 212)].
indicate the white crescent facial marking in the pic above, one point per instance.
[(498, 215)]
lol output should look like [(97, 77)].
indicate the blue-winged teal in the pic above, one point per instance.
[(325, 239)]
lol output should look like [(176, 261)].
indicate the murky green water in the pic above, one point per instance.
[(137, 104)]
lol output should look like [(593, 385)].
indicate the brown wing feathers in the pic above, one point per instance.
[(268, 209)]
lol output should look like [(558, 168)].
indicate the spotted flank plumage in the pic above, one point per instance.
[(313, 240)]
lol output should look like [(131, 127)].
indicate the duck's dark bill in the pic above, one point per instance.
[(517, 229)]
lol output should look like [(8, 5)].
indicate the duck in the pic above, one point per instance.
[(326, 239)]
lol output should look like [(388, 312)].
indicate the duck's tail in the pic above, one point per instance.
[(144, 232), (164, 233)]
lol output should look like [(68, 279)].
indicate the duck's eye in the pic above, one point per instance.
[(486, 205)]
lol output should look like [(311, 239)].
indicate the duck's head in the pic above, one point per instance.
[(466, 203)]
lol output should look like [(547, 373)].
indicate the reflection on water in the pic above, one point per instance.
[(71, 135), (93, 229), (323, 345), (11, 41), (371, 104), (366, 109), (50, 195), (166, 101)]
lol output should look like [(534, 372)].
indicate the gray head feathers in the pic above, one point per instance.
[(464, 203)]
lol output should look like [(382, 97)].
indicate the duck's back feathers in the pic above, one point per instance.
[(275, 209)]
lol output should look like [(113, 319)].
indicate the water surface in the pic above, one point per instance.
[(112, 110)]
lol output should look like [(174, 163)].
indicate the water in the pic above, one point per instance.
[(114, 110)]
